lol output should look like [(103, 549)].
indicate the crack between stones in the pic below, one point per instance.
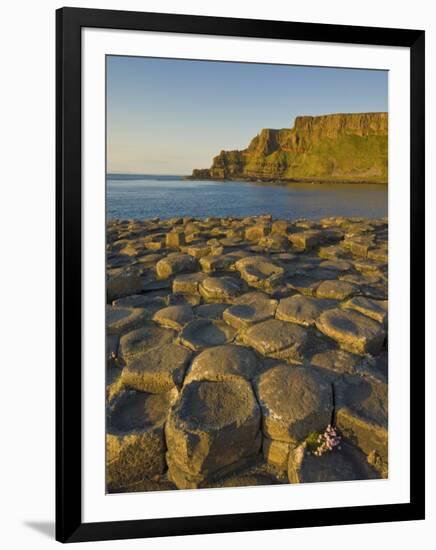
[(333, 417)]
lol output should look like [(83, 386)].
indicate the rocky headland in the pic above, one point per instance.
[(233, 345), (348, 148)]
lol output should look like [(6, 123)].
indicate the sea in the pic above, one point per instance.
[(138, 197)]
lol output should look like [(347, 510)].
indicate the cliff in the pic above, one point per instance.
[(338, 147)]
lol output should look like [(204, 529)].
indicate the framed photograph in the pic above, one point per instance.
[(240, 248)]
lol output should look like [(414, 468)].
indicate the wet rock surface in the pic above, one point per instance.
[(231, 341)]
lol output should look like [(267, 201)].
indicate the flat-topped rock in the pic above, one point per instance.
[(211, 311), (277, 452), (275, 242), (260, 272), (158, 369), (189, 283), (273, 336), (174, 264), (375, 309), (135, 443), (179, 299), (336, 290), (336, 361), (256, 232), (306, 240), (213, 425), (175, 239), (346, 464), (294, 401), (224, 363), (144, 301), (304, 284), (250, 308), (336, 265), (333, 252), (362, 416), (120, 320), (137, 341), (122, 282), (216, 263), (175, 317), (354, 332), (221, 289), (197, 250), (203, 333), (303, 310)]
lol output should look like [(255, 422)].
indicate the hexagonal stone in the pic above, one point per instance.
[(144, 301), (224, 363), (260, 272), (346, 464), (276, 452), (275, 242), (336, 290), (369, 267), (122, 282), (362, 416), (175, 317), (332, 252), (197, 250), (174, 264), (123, 319), (336, 361), (306, 240), (354, 332), (203, 333), (304, 284), (158, 369), (211, 311), (135, 443), (188, 284), (274, 336), (375, 309), (256, 232), (175, 239), (216, 263), (281, 227), (178, 299), (213, 425), (250, 308), (335, 265), (303, 310), (294, 402), (221, 289), (140, 340)]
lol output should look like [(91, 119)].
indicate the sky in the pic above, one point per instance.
[(167, 116)]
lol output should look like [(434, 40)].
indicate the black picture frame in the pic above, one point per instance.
[(69, 525)]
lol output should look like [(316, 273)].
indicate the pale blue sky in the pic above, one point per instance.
[(167, 116)]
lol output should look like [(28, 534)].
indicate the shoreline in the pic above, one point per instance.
[(286, 181)]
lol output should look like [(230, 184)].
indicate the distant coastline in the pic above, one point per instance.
[(334, 148), (286, 181)]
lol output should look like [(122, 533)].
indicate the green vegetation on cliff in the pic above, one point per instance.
[(338, 147)]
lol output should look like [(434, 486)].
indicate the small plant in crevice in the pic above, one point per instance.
[(321, 443)]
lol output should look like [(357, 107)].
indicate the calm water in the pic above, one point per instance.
[(169, 196)]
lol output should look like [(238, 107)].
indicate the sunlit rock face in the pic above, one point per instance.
[(340, 147)]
